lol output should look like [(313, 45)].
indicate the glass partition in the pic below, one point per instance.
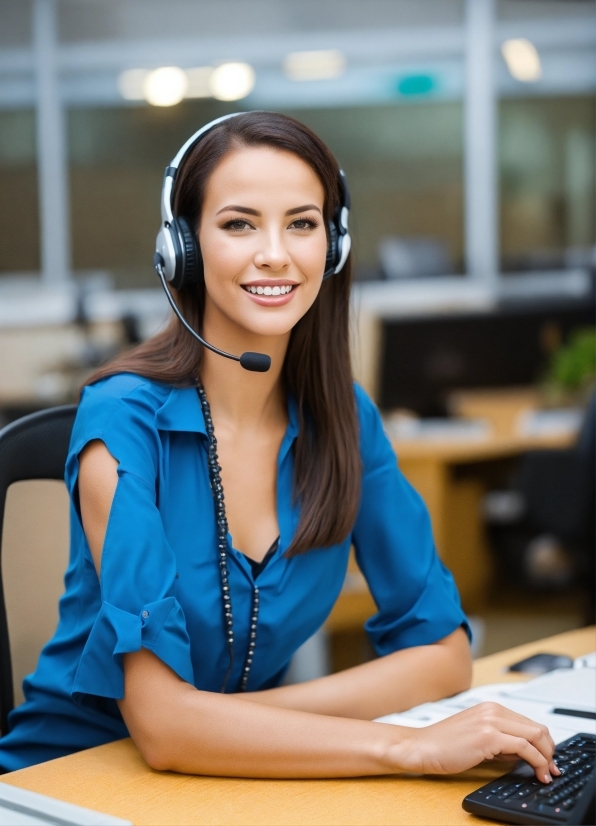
[(547, 182)]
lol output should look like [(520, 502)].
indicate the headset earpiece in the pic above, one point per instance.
[(192, 262), (332, 256)]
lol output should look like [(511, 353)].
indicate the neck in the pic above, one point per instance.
[(238, 396)]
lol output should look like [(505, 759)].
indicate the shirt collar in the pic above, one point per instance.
[(181, 411)]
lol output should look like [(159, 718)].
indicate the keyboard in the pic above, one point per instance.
[(518, 797)]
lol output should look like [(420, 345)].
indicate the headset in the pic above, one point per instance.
[(178, 259)]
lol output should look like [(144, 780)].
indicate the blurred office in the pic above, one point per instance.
[(467, 132)]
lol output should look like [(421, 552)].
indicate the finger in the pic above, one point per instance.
[(553, 766), (511, 744), (535, 733)]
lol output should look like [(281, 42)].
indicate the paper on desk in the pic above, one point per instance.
[(560, 727), (572, 688), (588, 661)]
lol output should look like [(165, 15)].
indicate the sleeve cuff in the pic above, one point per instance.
[(159, 626), (435, 615)]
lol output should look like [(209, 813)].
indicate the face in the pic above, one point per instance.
[(263, 241)]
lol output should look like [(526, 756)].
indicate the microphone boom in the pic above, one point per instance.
[(255, 362)]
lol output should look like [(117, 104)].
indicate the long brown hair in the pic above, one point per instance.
[(317, 369)]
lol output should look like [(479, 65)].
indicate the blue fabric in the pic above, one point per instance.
[(159, 586)]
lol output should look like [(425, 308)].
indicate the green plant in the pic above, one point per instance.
[(573, 365)]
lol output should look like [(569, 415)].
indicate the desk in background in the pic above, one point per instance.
[(454, 504), (114, 779)]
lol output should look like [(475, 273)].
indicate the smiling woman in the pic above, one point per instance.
[(184, 605)]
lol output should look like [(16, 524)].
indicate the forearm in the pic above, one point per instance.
[(181, 729), (392, 683)]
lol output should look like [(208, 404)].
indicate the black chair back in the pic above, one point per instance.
[(34, 447)]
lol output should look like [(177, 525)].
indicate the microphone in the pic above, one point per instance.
[(255, 362)]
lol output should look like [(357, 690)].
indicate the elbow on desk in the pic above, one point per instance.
[(458, 674), (155, 749), (464, 680)]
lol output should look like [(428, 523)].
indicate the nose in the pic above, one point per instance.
[(273, 254)]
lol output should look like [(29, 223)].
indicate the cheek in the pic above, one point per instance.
[(223, 258), (310, 257)]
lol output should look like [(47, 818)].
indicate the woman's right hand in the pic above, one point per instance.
[(483, 732)]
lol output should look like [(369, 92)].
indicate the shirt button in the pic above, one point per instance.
[(145, 614)]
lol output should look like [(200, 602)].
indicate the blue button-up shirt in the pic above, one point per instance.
[(159, 586)]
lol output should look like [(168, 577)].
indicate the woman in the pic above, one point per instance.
[(177, 630)]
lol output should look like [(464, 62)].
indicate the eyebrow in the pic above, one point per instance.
[(249, 211)]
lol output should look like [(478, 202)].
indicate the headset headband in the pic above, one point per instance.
[(167, 213)]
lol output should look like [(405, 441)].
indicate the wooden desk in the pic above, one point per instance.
[(115, 780)]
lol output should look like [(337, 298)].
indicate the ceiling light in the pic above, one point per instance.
[(232, 81), (522, 59), (130, 84), (317, 65), (199, 82), (166, 86)]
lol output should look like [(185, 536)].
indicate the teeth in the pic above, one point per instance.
[(270, 290)]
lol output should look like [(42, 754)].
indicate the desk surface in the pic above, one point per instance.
[(115, 780), (492, 446)]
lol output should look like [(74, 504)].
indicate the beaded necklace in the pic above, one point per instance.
[(222, 545)]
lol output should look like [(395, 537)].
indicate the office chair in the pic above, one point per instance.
[(552, 494), (34, 447)]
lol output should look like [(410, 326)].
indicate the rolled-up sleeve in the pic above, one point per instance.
[(137, 603), (415, 594)]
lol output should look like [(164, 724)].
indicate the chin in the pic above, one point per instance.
[(271, 322), (273, 327)]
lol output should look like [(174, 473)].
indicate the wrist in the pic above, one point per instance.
[(399, 750)]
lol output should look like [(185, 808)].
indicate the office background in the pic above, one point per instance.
[(467, 131)]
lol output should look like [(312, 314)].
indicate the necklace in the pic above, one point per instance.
[(222, 548)]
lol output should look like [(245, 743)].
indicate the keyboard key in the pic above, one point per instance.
[(506, 793)]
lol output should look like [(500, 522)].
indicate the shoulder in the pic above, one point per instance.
[(369, 417), (120, 411), (367, 409), (124, 394), (375, 448), (126, 386)]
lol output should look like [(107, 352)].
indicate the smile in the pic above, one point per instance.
[(283, 290), (270, 295)]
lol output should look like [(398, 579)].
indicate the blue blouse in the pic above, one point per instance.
[(159, 586)]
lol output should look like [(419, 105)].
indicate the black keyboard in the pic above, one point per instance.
[(518, 797)]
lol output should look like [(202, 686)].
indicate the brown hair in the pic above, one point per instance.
[(317, 369)]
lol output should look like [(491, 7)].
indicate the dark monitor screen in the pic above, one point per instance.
[(424, 359)]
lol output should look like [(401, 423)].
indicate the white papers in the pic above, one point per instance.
[(535, 699), (572, 688), (589, 661)]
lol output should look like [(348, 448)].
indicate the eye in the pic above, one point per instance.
[(237, 225), (304, 224)]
